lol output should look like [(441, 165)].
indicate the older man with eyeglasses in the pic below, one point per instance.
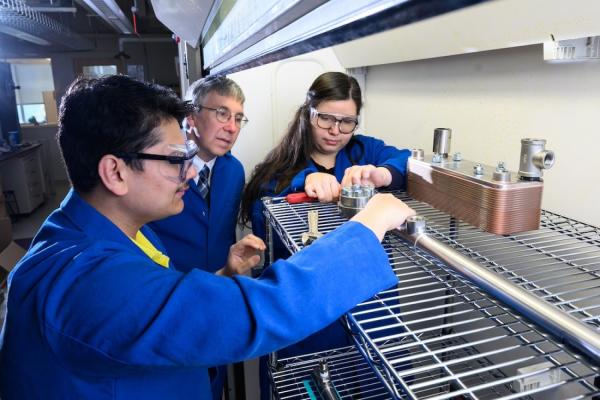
[(201, 235)]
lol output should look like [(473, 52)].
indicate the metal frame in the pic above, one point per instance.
[(439, 336), (351, 375), (24, 22)]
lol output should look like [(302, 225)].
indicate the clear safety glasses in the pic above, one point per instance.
[(346, 124), (177, 163), (223, 115)]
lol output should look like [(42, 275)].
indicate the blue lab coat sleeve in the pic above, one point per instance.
[(369, 150), (200, 236), (90, 313)]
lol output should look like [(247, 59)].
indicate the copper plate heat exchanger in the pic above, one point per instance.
[(491, 198)]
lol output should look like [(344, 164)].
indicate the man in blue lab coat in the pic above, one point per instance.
[(214, 125), (209, 217), (94, 309)]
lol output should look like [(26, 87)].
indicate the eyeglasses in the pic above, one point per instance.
[(344, 123), (224, 115), (182, 155)]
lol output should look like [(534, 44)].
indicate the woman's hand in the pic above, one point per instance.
[(383, 212), (367, 175), (322, 186), (243, 255)]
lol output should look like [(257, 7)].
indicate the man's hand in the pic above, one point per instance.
[(322, 186), (383, 212), (243, 255), (367, 175)]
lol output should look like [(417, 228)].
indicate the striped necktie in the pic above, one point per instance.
[(203, 181)]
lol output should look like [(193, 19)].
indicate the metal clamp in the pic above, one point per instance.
[(313, 228)]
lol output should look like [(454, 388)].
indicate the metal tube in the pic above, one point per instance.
[(566, 328), (322, 379), (441, 141)]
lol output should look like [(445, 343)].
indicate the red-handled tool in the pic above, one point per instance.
[(301, 197)]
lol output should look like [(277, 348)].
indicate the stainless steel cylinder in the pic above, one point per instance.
[(441, 141), (354, 198), (563, 326), (415, 225), (534, 158), (417, 154)]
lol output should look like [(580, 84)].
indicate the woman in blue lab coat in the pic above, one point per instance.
[(94, 309), (319, 154)]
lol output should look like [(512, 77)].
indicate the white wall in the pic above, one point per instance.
[(273, 94), (491, 100)]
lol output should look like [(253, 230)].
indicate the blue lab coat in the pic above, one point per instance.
[(200, 236), (90, 316), (373, 151)]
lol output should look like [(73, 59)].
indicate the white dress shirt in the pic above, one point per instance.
[(200, 163)]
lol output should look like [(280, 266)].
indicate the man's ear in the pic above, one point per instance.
[(113, 174), (190, 121)]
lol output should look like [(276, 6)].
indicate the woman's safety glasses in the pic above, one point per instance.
[(182, 155), (345, 123)]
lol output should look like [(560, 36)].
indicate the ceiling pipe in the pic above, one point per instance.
[(123, 41), (54, 9)]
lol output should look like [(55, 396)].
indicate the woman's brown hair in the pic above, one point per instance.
[(294, 150)]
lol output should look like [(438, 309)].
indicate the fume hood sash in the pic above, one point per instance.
[(328, 24)]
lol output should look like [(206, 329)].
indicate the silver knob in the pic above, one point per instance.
[(417, 154), (415, 225)]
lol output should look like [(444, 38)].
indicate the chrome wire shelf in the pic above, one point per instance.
[(351, 376), (437, 336)]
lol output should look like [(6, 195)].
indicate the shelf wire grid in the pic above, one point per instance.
[(437, 336), (350, 374)]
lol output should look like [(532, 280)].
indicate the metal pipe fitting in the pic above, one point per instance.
[(322, 379), (417, 154), (534, 158), (441, 141), (564, 327), (501, 174), (354, 198)]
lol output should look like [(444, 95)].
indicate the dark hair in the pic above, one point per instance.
[(294, 150), (109, 115)]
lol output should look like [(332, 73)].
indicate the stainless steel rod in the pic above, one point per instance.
[(566, 328)]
